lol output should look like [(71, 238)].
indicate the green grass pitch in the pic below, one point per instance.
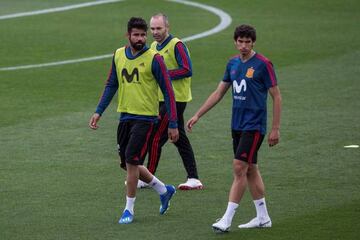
[(60, 180)]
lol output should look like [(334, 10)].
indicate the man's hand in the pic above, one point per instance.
[(191, 123), (173, 134), (93, 121), (274, 137)]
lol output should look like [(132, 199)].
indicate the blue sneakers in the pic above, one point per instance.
[(165, 198), (126, 217)]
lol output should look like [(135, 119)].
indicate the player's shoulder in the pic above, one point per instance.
[(152, 51), (177, 42), (119, 52), (234, 59), (153, 45), (156, 56), (262, 59), (175, 39), (120, 49)]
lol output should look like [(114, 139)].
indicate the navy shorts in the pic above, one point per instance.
[(246, 145), (132, 139)]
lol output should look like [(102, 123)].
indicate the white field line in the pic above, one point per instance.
[(225, 21), (351, 146), (58, 9), (56, 63)]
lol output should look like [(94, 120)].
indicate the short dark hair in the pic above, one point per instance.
[(246, 31), (137, 22)]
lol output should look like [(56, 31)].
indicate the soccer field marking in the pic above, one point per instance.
[(351, 146), (225, 21), (57, 9)]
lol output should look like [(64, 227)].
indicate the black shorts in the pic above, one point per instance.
[(246, 145), (132, 139)]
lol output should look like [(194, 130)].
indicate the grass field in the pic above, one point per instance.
[(60, 180)]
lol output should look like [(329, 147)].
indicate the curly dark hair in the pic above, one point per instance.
[(137, 22), (246, 31)]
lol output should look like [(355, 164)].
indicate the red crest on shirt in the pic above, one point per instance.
[(250, 73)]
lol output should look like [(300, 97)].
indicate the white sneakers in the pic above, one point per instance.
[(191, 184), (257, 223), (221, 226)]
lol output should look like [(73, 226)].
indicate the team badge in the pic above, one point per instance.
[(250, 73)]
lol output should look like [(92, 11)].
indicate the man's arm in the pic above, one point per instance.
[(274, 135), (111, 86), (212, 100), (183, 60)]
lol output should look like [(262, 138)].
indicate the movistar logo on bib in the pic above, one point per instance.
[(238, 89), (130, 77)]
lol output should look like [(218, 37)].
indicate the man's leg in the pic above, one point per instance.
[(165, 191), (239, 184), (256, 184), (237, 190), (183, 144), (158, 139), (147, 177), (132, 148), (186, 152), (132, 176), (257, 190)]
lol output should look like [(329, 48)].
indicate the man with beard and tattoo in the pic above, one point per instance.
[(137, 72)]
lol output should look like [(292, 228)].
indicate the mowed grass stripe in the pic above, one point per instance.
[(61, 39), (64, 171)]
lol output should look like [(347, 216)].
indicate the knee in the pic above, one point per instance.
[(240, 169), (251, 171)]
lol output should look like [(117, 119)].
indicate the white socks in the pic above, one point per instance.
[(158, 186), (261, 210), (130, 204), (230, 211)]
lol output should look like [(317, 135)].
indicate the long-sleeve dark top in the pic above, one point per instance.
[(182, 58), (160, 74)]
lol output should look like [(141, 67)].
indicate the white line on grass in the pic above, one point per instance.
[(351, 146), (56, 63), (57, 9), (225, 21)]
